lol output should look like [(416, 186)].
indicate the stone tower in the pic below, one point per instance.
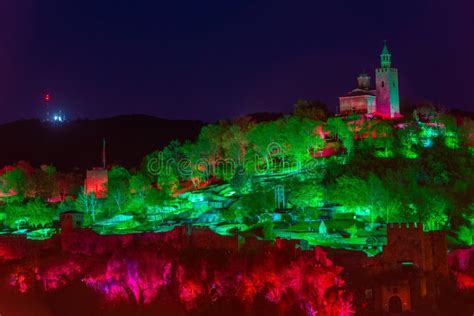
[(386, 81)]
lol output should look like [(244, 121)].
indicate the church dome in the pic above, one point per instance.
[(363, 82)]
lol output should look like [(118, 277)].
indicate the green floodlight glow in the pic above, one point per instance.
[(376, 192), (40, 234), (451, 140), (410, 154), (426, 142), (196, 198), (384, 154)]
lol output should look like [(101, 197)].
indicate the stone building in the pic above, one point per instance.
[(360, 100), (384, 100), (71, 220), (96, 182), (411, 270)]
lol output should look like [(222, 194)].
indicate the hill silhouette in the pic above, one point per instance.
[(78, 144)]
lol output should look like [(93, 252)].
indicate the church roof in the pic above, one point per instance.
[(359, 92)]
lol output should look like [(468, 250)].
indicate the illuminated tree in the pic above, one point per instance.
[(88, 203), (383, 142), (165, 167), (67, 204), (234, 138), (453, 136), (351, 192), (155, 202), (39, 214), (311, 109), (299, 138), (307, 195), (408, 141), (437, 217), (427, 206), (425, 111), (268, 232), (35, 213), (140, 188), (15, 180), (233, 143), (68, 184), (257, 203), (44, 180), (135, 278), (16, 215), (265, 140), (139, 184), (204, 154), (337, 127), (195, 166), (352, 230), (289, 141), (366, 196), (118, 187), (465, 235), (241, 181)]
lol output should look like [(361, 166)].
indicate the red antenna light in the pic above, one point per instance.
[(47, 97)]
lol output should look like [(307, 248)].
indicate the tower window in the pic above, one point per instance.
[(383, 84)]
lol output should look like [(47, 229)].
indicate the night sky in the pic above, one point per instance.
[(211, 60)]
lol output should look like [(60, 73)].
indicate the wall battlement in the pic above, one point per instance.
[(405, 226)]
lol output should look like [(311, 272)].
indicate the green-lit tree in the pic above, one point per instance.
[(118, 187), (311, 109), (369, 196), (139, 184), (39, 214), (204, 154), (338, 128), (241, 182), (67, 204), (34, 213), (44, 181), (166, 167), (268, 232), (68, 184), (15, 180), (408, 139), (307, 195), (257, 203), (88, 203), (234, 138), (233, 146), (383, 142), (427, 206), (195, 165), (300, 138), (265, 140), (155, 205), (16, 215)]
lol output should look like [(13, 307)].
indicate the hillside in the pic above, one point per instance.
[(79, 143)]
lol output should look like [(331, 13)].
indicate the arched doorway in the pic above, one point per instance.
[(395, 304)]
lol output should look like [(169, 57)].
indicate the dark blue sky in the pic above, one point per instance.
[(215, 59)]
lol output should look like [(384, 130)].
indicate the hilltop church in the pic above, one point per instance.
[(383, 101)]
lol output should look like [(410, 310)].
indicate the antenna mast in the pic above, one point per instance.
[(103, 154)]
